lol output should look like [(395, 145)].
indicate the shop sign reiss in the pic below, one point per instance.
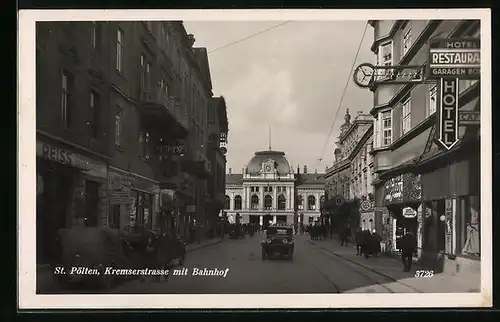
[(63, 156)]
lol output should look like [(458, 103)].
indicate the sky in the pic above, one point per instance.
[(290, 78)]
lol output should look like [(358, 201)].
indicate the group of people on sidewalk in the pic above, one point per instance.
[(369, 243)]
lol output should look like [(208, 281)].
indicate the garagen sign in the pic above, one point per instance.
[(454, 58)]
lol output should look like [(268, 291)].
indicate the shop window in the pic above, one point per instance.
[(114, 219), (468, 242), (237, 203), (227, 202)]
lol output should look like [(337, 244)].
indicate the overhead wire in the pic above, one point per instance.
[(248, 37), (343, 93)]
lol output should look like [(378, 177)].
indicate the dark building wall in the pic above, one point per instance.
[(64, 47)]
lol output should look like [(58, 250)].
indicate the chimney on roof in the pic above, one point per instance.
[(230, 170), (305, 169), (298, 169), (191, 40)]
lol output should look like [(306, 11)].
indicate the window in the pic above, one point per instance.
[(385, 54), (227, 202), (144, 210), (432, 99), (144, 145), (406, 41), (119, 50), (281, 202), (237, 203), (268, 202), (386, 128), (256, 189), (252, 189), (118, 127), (254, 202), (311, 203), (283, 189), (406, 116), (465, 84), (278, 189), (95, 114), (93, 35), (145, 67), (300, 202), (67, 98)]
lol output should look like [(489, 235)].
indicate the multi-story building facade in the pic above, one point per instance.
[(218, 138), (427, 190), (122, 139), (268, 191), (351, 174)]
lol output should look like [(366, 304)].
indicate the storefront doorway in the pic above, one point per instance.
[(266, 221), (52, 208)]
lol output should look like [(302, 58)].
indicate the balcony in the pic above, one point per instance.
[(164, 111), (198, 166)]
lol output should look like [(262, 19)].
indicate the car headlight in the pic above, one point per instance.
[(268, 240), (285, 241)]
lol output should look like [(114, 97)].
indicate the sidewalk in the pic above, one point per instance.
[(203, 243), (392, 268)]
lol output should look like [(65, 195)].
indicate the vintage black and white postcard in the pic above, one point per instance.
[(255, 159)]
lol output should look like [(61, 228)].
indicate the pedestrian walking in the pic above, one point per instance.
[(358, 238), (408, 247), (366, 248)]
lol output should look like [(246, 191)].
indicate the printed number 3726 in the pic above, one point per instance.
[(424, 273)]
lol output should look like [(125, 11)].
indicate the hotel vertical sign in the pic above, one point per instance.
[(448, 113), (450, 60)]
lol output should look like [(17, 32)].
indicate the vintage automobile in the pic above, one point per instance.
[(90, 249), (279, 240)]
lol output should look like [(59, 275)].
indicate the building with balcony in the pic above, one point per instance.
[(433, 192), (267, 191), (73, 134), (351, 176), (218, 135)]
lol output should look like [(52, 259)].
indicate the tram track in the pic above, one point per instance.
[(355, 267)]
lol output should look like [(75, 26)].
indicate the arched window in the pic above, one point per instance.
[(322, 201), (227, 202), (237, 203), (300, 202), (268, 202), (281, 202), (254, 202), (311, 202)]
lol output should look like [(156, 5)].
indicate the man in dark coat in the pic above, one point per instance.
[(358, 238), (408, 247)]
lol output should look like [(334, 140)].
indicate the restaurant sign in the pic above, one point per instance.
[(454, 58), (57, 154)]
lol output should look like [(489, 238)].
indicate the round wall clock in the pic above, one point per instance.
[(268, 167), (364, 74)]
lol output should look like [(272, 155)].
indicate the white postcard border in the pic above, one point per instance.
[(28, 299)]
